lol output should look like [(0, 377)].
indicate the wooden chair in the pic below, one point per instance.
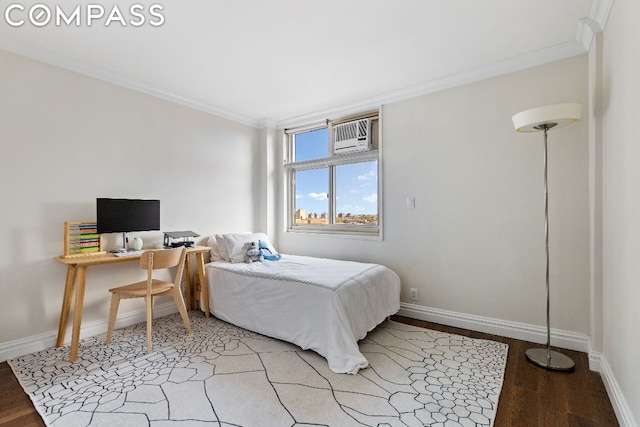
[(150, 288)]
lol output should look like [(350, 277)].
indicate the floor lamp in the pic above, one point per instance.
[(536, 120)]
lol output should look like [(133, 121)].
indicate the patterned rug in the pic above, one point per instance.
[(221, 375)]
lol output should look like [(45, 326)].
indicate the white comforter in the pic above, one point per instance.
[(319, 304)]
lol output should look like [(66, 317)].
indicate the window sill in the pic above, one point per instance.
[(340, 232)]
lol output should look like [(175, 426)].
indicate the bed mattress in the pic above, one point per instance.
[(316, 303)]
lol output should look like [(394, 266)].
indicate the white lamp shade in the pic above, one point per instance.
[(559, 115)]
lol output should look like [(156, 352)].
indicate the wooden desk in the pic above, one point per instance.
[(77, 279)]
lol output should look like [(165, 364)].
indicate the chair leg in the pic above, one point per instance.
[(177, 297), (113, 311), (149, 304)]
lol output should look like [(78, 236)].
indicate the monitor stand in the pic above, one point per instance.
[(125, 243)]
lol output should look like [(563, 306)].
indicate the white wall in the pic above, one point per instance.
[(66, 139), (621, 205), (474, 243)]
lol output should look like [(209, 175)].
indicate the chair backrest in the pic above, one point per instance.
[(163, 258)]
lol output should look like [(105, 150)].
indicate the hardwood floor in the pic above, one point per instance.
[(15, 406), (530, 396)]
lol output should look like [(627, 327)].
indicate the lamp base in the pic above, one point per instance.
[(554, 362)]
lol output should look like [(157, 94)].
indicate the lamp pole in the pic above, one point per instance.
[(546, 242), (546, 358), (535, 120)]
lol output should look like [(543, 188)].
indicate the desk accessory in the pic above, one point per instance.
[(184, 235), (81, 238)]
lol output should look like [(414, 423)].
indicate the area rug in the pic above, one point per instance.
[(222, 375)]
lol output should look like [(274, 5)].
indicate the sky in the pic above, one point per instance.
[(356, 183)]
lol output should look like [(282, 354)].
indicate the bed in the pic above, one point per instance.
[(320, 304)]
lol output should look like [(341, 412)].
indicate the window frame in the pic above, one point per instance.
[(332, 162)]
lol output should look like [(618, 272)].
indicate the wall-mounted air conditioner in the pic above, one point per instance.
[(352, 137)]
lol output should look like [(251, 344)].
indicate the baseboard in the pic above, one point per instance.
[(595, 361), (504, 328), (22, 346), (521, 331), (620, 405)]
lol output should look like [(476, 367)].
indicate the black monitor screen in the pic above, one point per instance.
[(125, 215)]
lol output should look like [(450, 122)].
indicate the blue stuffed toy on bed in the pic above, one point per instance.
[(266, 252)]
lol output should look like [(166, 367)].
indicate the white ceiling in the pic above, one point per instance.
[(279, 62)]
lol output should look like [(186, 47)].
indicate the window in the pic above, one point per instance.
[(334, 187)]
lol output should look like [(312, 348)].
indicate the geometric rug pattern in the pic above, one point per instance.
[(222, 375)]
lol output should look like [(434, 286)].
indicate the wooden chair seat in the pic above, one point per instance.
[(139, 289), (150, 288)]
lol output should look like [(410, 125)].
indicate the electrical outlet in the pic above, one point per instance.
[(414, 294), (411, 202)]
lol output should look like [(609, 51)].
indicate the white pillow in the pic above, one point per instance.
[(215, 248), (222, 248), (236, 245), (231, 246)]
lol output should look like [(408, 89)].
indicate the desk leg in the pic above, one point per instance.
[(187, 284), (69, 286), (77, 313), (204, 289)]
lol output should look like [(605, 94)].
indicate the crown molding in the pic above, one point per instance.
[(495, 69), (587, 27), (266, 123), (595, 23), (600, 11), (111, 76)]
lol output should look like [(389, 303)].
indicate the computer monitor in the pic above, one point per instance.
[(127, 215)]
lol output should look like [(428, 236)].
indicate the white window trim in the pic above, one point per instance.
[(341, 230)]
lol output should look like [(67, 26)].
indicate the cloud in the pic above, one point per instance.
[(371, 199), (367, 176), (350, 209), (299, 196), (318, 196)]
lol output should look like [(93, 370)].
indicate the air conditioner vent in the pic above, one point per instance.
[(352, 136)]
